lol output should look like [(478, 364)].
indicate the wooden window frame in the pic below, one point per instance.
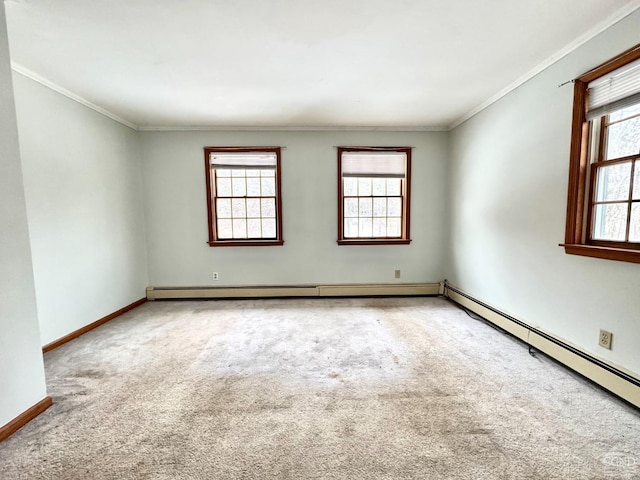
[(405, 239), (211, 199), (581, 183)]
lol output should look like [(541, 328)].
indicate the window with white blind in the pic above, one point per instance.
[(243, 196), (373, 191), (603, 213)]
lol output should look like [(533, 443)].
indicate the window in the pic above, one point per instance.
[(603, 208), (243, 196), (373, 202)]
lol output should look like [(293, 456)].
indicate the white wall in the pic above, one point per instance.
[(176, 215), (508, 204), (21, 367), (84, 200)]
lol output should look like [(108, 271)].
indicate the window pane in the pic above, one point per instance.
[(634, 228), (613, 182), (364, 187), (253, 187), (366, 227), (395, 207), (393, 186), (624, 113), (238, 207), (223, 188), (380, 187), (253, 227), (253, 207), (268, 207), (350, 207), (224, 228), (268, 187), (380, 207), (223, 172), (636, 181), (393, 227), (239, 187), (350, 187), (623, 138), (379, 227), (238, 172), (268, 173), (268, 227), (610, 222), (350, 227), (365, 207), (224, 207), (239, 228)]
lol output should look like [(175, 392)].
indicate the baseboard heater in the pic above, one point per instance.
[(284, 291), (621, 383)]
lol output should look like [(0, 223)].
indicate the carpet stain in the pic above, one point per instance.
[(88, 374), (400, 395)]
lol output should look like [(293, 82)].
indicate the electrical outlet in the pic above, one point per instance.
[(215, 276), (397, 273), (605, 339)]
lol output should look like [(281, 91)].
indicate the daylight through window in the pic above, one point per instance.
[(373, 207), (615, 208), (243, 187)]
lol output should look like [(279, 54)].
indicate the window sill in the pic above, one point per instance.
[(246, 243), (597, 251), (383, 241)]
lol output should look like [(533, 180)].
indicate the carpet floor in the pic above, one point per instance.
[(384, 388)]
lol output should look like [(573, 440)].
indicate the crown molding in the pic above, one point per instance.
[(285, 128), (560, 54), (25, 72)]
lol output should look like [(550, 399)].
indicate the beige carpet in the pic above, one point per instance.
[(397, 388)]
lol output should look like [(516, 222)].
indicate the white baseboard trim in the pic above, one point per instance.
[(622, 383), (356, 290)]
